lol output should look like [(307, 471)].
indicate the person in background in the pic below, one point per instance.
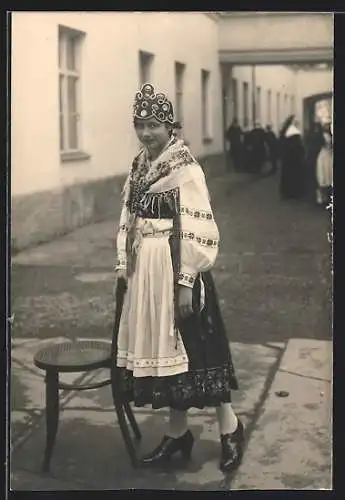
[(324, 165), (257, 148), (246, 147), (234, 136), (313, 148), (292, 155), (172, 348), (272, 148)]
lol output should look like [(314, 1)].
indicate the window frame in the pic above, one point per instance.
[(258, 103), (234, 97), (246, 119), (269, 107), (146, 60), (205, 106), (285, 104), (180, 69), (278, 110), (292, 104), (65, 74)]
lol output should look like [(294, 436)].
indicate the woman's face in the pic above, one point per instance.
[(153, 134)]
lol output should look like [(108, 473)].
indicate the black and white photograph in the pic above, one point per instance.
[(171, 250)]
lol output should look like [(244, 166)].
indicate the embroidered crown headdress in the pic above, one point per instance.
[(148, 104)]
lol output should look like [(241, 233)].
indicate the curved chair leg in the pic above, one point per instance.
[(52, 414), (132, 419), (121, 417)]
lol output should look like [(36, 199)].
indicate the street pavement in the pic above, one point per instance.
[(273, 276)]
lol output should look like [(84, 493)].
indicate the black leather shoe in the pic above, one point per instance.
[(168, 447), (232, 449)]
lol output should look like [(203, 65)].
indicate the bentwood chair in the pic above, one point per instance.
[(85, 356)]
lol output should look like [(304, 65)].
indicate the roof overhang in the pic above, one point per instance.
[(293, 56)]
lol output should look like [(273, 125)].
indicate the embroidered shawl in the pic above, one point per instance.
[(175, 179)]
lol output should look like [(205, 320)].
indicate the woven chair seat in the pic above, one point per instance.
[(85, 356), (74, 356)]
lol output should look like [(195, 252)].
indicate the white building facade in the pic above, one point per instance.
[(267, 94), (74, 76)]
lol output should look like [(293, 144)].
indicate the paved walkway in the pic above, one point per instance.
[(272, 276)]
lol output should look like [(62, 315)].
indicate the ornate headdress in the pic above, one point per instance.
[(148, 104)]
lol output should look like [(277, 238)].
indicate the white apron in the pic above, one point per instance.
[(147, 342)]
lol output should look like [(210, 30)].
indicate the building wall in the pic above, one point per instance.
[(40, 181), (277, 79), (110, 77), (270, 31), (314, 82), (298, 84), (51, 196)]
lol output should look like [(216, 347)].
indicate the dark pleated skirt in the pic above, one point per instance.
[(211, 375)]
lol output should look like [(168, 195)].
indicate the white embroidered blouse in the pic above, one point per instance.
[(199, 235)]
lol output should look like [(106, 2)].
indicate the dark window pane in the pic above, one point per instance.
[(71, 46), (245, 103), (145, 62), (179, 71), (179, 107), (72, 94), (73, 131), (234, 97), (204, 104)]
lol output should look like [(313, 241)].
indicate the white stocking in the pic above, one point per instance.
[(227, 419), (177, 423)]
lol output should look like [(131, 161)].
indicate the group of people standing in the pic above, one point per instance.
[(306, 166), (251, 148)]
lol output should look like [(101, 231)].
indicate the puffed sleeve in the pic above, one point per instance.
[(199, 232), (121, 238)]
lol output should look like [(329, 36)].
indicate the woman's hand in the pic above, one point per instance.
[(121, 275), (185, 301)]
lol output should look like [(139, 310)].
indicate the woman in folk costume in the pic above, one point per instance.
[(324, 165), (172, 346), (293, 172)]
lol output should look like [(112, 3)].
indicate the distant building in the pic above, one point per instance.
[(275, 95), (74, 76)]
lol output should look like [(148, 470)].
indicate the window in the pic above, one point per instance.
[(285, 104), (245, 104), (179, 77), (69, 89), (234, 98), (205, 104), (145, 66), (278, 109), (258, 104), (269, 107), (292, 105)]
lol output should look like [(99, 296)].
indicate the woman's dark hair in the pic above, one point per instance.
[(170, 128)]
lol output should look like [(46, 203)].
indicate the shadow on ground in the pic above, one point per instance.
[(78, 456)]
